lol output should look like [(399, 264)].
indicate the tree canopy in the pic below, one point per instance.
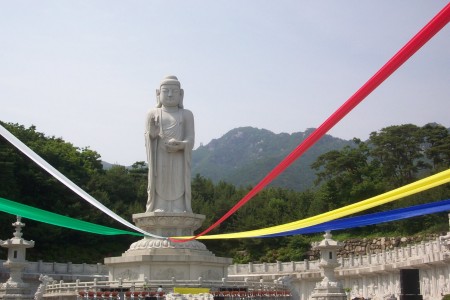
[(393, 156)]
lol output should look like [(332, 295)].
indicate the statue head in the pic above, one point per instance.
[(169, 93)]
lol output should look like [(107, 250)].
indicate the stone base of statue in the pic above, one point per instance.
[(162, 259)]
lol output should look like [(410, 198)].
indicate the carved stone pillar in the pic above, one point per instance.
[(329, 288), (14, 287)]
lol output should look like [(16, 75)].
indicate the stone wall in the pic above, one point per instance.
[(377, 244)]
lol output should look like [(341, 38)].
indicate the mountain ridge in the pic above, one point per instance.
[(244, 155)]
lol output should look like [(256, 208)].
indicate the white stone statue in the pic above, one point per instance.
[(169, 139), (45, 280)]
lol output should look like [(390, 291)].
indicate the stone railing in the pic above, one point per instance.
[(122, 288), (409, 255), (373, 275), (278, 267), (34, 269)]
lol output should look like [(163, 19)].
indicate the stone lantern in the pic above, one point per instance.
[(329, 288), (14, 287)]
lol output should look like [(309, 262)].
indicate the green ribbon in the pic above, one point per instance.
[(44, 216)]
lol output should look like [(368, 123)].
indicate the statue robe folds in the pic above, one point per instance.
[(169, 173)]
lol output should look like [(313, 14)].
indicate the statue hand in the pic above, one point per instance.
[(154, 128), (173, 145)]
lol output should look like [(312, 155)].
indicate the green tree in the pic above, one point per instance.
[(346, 176), (437, 145), (27, 183), (398, 149)]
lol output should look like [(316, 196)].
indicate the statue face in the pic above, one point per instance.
[(170, 95)]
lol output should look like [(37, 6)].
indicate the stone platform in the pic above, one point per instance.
[(162, 259)]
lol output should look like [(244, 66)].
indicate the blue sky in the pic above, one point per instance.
[(87, 71)]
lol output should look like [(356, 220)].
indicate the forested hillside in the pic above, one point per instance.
[(244, 155), (392, 157)]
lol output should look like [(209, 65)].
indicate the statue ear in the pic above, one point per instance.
[(158, 103), (180, 105)]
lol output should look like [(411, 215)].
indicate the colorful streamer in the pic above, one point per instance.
[(64, 180), (434, 26), (407, 190), (372, 219), (40, 215), (422, 37)]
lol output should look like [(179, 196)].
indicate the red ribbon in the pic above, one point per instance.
[(420, 39)]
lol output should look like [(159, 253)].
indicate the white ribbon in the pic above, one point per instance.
[(66, 181)]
